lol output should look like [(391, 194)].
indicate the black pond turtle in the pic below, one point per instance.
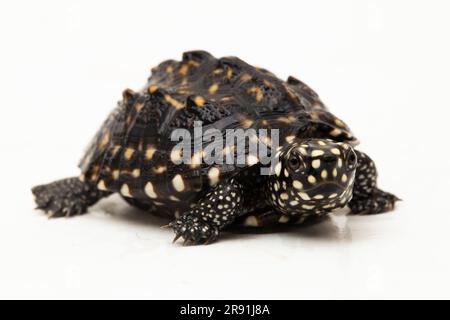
[(133, 154)]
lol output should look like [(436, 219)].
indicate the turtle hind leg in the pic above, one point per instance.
[(67, 197), (367, 197)]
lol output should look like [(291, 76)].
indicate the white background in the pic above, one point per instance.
[(382, 66)]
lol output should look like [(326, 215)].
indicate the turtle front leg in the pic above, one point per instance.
[(67, 197), (367, 198), (216, 210)]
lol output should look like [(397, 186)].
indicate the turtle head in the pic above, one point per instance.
[(313, 175)]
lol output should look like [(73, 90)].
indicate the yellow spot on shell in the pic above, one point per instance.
[(194, 63), (160, 169), (149, 153), (153, 89), (128, 153), (139, 106), (335, 132), (101, 185), (136, 173), (125, 191), (286, 120), (339, 123), (175, 155), (229, 74), (150, 191), (115, 150), (258, 93), (199, 101), (246, 77), (116, 174), (178, 183), (289, 139), (283, 218), (246, 123), (184, 70), (213, 89), (251, 221), (173, 102), (104, 141)]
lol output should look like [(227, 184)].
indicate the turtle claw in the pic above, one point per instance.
[(178, 236), (194, 231)]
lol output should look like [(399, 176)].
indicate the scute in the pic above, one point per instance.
[(133, 146)]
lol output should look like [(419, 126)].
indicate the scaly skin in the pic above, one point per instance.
[(67, 197)]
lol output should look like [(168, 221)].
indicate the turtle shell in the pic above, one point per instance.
[(133, 154)]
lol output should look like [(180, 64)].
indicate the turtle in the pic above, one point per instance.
[(315, 168)]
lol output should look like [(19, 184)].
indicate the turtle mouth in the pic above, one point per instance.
[(326, 190)]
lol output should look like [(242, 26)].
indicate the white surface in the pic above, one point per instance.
[(383, 66)]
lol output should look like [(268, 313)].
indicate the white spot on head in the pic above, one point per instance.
[(312, 179), (284, 196), (278, 169), (315, 164), (304, 196), (297, 185), (335, 151), (317, 153), (335, 172)]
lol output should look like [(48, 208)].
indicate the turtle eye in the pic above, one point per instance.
[(294, 162), (351, 160)]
